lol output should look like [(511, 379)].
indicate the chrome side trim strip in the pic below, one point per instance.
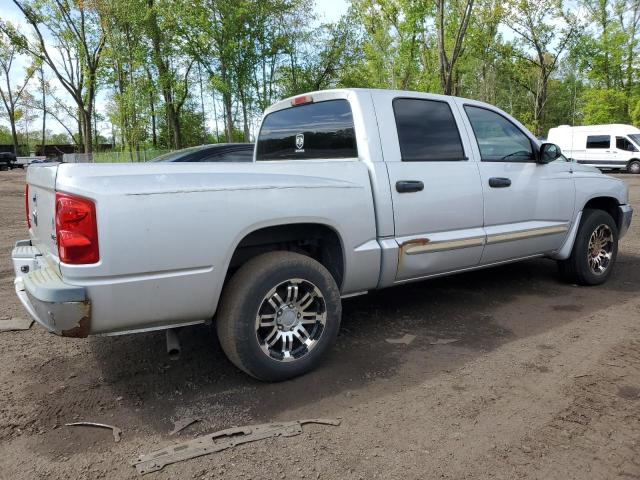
[(425, 245), (414, 247), (534, 232)]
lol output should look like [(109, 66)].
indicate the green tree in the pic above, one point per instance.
[(78, 38), (601, 106), (10, 93)]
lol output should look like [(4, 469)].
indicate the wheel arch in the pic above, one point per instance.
[(602, 202), (608, 204), (317, 240)]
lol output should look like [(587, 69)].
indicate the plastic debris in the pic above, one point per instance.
[(116, 431), (180, 425), (406, 339), (218, 441), (17, 323)]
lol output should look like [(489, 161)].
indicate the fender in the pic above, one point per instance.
[(565, 251)]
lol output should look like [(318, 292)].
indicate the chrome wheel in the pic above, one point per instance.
[(600, 249), (290, 320), (634, 167)]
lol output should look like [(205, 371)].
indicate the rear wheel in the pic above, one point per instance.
[(634, 166), (594, 251), (278, 316)]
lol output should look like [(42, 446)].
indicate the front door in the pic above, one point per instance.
[(528, 206), (436, 191), (624, 151)]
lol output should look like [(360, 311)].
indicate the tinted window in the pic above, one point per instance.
[(598, 141), (624, 144), (315, 130), (177, 154), (232, 156), (499, 140), (427, 131), (635, 138)]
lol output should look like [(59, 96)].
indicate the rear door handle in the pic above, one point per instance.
[(408, 186), (499, 182)]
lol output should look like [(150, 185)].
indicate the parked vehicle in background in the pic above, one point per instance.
[(7, 160), (610, 147), (217, 152), (350, 190)]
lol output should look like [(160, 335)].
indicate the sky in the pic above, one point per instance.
[(327, 11)]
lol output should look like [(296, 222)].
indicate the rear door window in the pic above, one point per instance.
[(499, 140), (315, 130), (598, 141), (427, 131)]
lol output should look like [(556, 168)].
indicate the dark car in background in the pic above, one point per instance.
[(7, 160), (218, 152)]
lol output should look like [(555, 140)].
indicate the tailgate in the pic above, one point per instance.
[(41, 181)]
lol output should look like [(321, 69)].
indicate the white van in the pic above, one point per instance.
[(614, 147)]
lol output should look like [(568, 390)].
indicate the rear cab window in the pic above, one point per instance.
[(427, 131), (322, 130)]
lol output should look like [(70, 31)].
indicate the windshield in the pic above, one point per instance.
[(171, 156), (635, 138)]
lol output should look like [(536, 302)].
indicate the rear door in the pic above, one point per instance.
[(435, 187), (528, 206)]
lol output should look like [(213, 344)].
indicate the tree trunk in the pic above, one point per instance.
[(87, 131), (154, 135), (14, 134), (44, 109), (164, 76), (174, 123)]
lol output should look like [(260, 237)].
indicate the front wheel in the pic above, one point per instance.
[(594, 251), (278, 315), (634, 166)]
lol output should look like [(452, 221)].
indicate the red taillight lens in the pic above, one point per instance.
[(26, 204), (76, 229), (301, 100)]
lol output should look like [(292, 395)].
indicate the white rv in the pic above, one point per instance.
[(614, 147)]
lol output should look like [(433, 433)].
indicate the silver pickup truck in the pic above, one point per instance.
[(349, 191)]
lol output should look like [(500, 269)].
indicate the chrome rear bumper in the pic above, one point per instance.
[(61, 308)]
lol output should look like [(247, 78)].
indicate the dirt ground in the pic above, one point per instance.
[(512, 374)]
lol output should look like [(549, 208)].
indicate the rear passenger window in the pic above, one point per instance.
[(598, 141), (427, 131), (314, 130)]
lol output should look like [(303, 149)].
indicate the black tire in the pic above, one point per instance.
[(244, 298), (577, 268), (633, 167)]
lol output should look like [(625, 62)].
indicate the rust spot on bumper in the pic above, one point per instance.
[(82, 329)]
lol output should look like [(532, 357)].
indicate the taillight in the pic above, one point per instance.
[(301, 100), (26, 204), (76, 229)]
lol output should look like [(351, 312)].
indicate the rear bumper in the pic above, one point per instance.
[(626, 212), (61, 308)]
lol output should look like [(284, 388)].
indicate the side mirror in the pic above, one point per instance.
[(548, 153)]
